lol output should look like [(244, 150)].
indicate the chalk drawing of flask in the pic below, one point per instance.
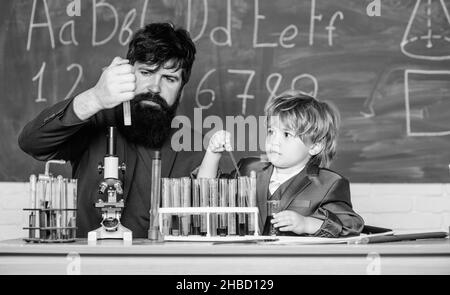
[(427, 35)]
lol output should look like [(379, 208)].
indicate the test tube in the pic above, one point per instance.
[(214, 202), (232, 187), (155, 197), (41, 196), (36, 205), (72, 199), (176, 202), (242, 196), (252, 201), (204, 202), (196, 203), (165, 202), (58, 206), (32, 216), (126, 113), (273, 206), (185, 202), (64, 212), (223, 202), (52, 205)]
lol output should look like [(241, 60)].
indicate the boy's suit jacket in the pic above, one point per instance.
[(316, 192)]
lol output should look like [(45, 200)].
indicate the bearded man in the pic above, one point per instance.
[(151, 78)]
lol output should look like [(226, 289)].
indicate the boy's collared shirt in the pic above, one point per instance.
[(277, 178)]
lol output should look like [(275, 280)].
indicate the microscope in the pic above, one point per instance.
[(112, 204)]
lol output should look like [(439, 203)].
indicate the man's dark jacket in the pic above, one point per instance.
[(57, 133)]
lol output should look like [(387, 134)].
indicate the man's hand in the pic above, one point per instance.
[(115, 86), (292, 221)]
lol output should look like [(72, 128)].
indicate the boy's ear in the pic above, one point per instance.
[(316, 148)]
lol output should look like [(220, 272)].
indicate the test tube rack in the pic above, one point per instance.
[(208, 211), (49, 230), (52, 211)]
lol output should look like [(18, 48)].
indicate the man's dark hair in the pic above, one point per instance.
[(158, 43)]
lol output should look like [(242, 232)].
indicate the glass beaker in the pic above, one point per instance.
[(273, 206)]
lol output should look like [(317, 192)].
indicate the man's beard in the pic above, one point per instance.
[(150, 124)]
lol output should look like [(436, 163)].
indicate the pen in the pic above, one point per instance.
[(250, 241)]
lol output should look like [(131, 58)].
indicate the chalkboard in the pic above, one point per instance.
[(384, 64)]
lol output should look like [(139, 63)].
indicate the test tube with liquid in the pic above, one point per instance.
[(72, 201), (204, 202), (252, 201), (42, 196), (165, 202), (154, 232), (63, 204), (32, 217), (223, 202), (37, 206), (58, 206), (185, 202), (242, 202), (214, 202), (273, 206), (51, 189), (176, 202), (196, 203), (232, 187)]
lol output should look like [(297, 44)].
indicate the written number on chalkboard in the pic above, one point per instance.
[(40, 77), (273, 82)]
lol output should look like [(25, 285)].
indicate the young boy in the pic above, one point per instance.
[(300, 145)]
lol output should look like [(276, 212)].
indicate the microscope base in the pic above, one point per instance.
[(122, 233)]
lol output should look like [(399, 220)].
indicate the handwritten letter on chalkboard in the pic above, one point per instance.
[(384, 64)]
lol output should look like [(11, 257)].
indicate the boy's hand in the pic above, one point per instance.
[(292, 221), (219, 142), (289, 221)]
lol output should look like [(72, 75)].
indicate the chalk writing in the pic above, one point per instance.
[(33, 25), (77, 80), (389, 76), (40, 77), (244, 96), (200, 92), (422, 113)]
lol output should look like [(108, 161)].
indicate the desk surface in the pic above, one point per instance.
[(146, 257)]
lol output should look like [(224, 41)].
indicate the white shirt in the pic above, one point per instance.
[(277, 178)]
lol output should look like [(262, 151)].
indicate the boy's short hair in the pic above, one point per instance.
[(158, 43), (312, 120)]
